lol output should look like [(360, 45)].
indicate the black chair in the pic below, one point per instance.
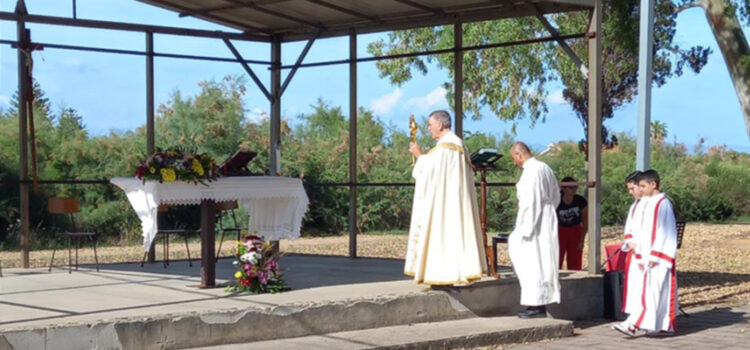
[(221, 208), (67, 205), (174, 222)]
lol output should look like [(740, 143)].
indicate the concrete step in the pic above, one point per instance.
[(465, 333)]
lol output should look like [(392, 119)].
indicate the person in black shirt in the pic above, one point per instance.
[(572, 219)]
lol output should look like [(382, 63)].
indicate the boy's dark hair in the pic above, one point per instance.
[(649, 175), (633, 177), (568, 179)]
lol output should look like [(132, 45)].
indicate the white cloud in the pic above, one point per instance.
[(556, 97), (4, 101), (256, 115), (384, 104), (433, 99)]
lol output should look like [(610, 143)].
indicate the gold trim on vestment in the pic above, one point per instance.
[(410, 274), (468, 280), (448, 145)]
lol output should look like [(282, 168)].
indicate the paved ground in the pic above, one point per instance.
[(705, 328)]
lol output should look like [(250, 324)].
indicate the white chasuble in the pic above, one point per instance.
[(445, 241), (533, 245)]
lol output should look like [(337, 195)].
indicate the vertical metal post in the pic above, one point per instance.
[(23, 44), (595, 137), (275, 146), (645, 72), (352, 145), (458, 78), (150, 137), (208, 243)]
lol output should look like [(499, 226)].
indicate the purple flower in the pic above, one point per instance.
[(272, 265), (263, 277)]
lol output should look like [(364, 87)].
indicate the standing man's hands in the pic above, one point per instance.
[(414, 149)]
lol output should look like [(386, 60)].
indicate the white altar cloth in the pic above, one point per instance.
[(276, 205)]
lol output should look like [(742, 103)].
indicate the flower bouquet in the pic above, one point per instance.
[(257, 268), (175, 164)]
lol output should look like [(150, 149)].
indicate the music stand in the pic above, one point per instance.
[(483, 161)]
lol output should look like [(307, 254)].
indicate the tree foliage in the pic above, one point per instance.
[(511, 82)]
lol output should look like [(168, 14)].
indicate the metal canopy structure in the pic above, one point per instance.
[(279, 21), (290, 20)]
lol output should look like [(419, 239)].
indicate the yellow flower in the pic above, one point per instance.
[(152, 170), (237, 274), (197, 167), (168, 175)]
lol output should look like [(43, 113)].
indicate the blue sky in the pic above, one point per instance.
[(108, 90)]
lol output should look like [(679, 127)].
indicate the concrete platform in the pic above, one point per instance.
[(129, 307), (457, 334)]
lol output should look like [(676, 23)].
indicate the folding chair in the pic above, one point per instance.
[(224, 207), (163, 222), (67, 205)]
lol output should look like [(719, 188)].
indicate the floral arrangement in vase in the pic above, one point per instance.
[(257, 268), (175, 164)]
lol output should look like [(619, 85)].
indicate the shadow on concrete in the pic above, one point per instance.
[(299, 271), (706, 319)]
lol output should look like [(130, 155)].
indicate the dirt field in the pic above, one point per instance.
[(713, 266)]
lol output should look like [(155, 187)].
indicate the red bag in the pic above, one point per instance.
[(615, 258)]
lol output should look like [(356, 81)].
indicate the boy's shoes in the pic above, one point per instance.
[(625, 328), (534, 312)]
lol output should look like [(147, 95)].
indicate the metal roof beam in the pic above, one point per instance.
[(553, 31), (417, 5), (86, 23), (258, 8), (249, 70), (346, 10), (183, 9), (297, 64)]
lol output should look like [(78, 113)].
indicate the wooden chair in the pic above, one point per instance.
[(69, 206), (166, 232), (236, 229)]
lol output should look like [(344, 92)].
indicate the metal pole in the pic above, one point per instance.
[(458, 78), (23, 44), (150, 138), (275, 146), (645, 72), (352, 145), (595, 138)]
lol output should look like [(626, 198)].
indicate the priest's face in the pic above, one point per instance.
[(436, 128), (634, 190)]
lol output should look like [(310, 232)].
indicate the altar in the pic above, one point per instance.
[(275, 205)]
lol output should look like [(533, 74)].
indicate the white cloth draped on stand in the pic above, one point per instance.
[(276, 205)]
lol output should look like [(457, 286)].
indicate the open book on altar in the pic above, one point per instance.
[(236, 165)]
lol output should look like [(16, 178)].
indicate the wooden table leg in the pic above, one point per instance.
[(208, 243)]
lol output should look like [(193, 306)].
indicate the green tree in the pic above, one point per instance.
[(511, 81)]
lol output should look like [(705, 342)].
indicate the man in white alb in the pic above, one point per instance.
[(533, 245), (445, 242), (631, 291)]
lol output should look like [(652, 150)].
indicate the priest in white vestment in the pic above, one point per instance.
[(533, 245), (445, 242), (655, 246)]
